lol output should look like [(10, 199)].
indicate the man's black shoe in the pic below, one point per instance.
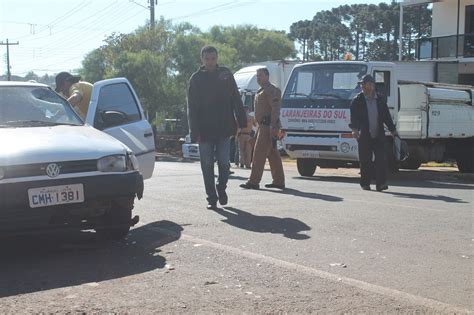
[(212, 206), (275, 186), (223, 199), (382, 188), (250, 186), (365, 187)]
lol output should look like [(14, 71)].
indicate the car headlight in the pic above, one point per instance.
[(112, 163)]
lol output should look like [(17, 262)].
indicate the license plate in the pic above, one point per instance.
[(310, 154), (55, 195)]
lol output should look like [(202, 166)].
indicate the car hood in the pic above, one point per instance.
[(57, 143)]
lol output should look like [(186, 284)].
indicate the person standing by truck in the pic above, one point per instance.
[(214, 104), (267, 115), (369, 113)]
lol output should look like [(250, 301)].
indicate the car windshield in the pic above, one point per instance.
[(30, 106), (325, 81)]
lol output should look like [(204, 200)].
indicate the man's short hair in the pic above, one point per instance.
[(264, 70), (208, 50)]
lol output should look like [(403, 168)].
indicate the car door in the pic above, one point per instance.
[(116, 110)]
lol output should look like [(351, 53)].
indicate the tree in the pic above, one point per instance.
[(93, 66), (159, 62)]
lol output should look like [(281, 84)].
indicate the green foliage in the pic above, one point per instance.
[(159, 62), (367, 31)]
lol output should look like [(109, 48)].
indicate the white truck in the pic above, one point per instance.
[(246, 78), (435, 120)]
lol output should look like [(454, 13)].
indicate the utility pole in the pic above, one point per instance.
[(152, 13), (9, 75)]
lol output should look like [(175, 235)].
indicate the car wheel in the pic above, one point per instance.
[(119, 218)]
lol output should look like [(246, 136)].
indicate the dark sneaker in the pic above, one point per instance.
[(248, 185), (366, 187), (223, 199), (382, 188), (275, 186), (212, 206)]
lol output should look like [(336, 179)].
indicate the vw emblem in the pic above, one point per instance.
[(52, 170)]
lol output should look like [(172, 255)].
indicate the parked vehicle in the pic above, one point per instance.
[(169, 133), (57, 172), (436, 120), (246, 78)]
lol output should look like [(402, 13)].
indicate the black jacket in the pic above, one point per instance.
[(214, 105), (360, 116)]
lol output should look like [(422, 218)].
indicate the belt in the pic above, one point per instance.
[(244, 133)]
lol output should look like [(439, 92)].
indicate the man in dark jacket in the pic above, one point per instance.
[(214, 104), (369, 113)]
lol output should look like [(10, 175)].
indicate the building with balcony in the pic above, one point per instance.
[(451, 43)]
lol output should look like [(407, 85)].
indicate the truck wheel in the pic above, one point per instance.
[(465, 162), (410, 164), (306, 167), (118, 214)]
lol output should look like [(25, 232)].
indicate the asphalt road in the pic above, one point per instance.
[(322, 245)]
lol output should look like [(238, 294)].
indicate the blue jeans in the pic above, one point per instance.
[(210, 151)]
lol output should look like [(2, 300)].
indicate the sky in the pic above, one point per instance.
[(55, 36)]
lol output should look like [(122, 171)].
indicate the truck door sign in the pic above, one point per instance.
[(319, 119), (436, 113)]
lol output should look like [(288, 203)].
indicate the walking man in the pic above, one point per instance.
[(214, 103), (267, 115), (369, 113)]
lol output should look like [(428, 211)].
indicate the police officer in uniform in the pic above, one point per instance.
[(267, 115), (244, 137)]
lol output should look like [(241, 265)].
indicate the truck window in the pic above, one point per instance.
[(305, 82), (324, 84), (345, 81), (382, 82)]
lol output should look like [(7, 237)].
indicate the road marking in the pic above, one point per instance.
[(377, 289)]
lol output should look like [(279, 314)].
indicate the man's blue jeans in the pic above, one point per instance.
[(211, 151)]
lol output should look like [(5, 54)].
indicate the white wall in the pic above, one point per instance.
[(445, 15)]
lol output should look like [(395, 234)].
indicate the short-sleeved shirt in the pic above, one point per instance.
[(85, 90)]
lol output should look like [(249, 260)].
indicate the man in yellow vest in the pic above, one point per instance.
[(77, 92)]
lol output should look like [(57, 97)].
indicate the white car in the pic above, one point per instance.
[(57, 172)]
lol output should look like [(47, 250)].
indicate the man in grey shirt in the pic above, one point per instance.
[(369, 113)]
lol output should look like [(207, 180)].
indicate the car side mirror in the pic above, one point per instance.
[(112, 118)]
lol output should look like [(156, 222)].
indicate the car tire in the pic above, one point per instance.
[(120, 213)]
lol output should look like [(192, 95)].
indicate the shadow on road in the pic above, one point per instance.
[(427, 197), (304, 194), (418, 178), (31, 264), (288, 227)]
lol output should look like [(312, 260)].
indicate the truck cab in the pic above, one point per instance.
[(315, 112), (435, 121)]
